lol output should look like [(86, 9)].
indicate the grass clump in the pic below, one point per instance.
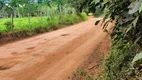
[(9, 26), (81, 75)]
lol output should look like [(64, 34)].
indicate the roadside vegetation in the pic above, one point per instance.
[(124, 61), (47, 22)]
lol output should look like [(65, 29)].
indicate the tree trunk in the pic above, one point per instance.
[(29, 20), (41, 17), (12, 19), (19, 13), (46, 13), (60, 10)]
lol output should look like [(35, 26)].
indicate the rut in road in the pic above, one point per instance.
[(50, 56)]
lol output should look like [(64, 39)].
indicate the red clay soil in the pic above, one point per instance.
[(51, 56), (93, 63)]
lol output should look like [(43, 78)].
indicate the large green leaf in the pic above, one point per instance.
[(136, 58), (105, 1), (140, 9), (95, 1), (135, 22), (134, 6)]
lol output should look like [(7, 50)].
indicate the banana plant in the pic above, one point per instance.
[(42, 4)]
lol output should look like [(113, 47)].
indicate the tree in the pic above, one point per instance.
[(1, 4), (10, 8), (42, 5), (79, 5), (29, 8)]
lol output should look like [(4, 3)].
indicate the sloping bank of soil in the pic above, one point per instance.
[(50, 56), (93, 64)]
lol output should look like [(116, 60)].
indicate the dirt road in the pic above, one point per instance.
[(50, 56)]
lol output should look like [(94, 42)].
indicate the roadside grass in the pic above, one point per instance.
[(80, 74), (21, 24)]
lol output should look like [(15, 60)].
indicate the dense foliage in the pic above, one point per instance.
[(126, 39)]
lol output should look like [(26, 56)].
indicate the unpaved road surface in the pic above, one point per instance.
[(50, 56)]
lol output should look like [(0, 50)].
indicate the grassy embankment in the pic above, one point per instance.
[(21, 24)]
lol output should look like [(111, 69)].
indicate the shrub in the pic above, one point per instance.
[(76, 18), (9, 26), (81, 74), (53, 24), (68, 19), (84, 16)]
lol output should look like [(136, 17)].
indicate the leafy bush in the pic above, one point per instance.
[(73, 18), (84, 16), (53, 24), (67, 19), (117, 63), (9, 26), (76, 18)]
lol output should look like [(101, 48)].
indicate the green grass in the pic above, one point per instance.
[(22, 23), (81, 74)]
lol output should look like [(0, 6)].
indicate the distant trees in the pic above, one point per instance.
[(80, 5), (1, 4), (30, 8), (25, 8), (15, 8)]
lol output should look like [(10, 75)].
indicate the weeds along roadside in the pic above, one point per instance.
[(124, 61), (49, 24), (121, 62)]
